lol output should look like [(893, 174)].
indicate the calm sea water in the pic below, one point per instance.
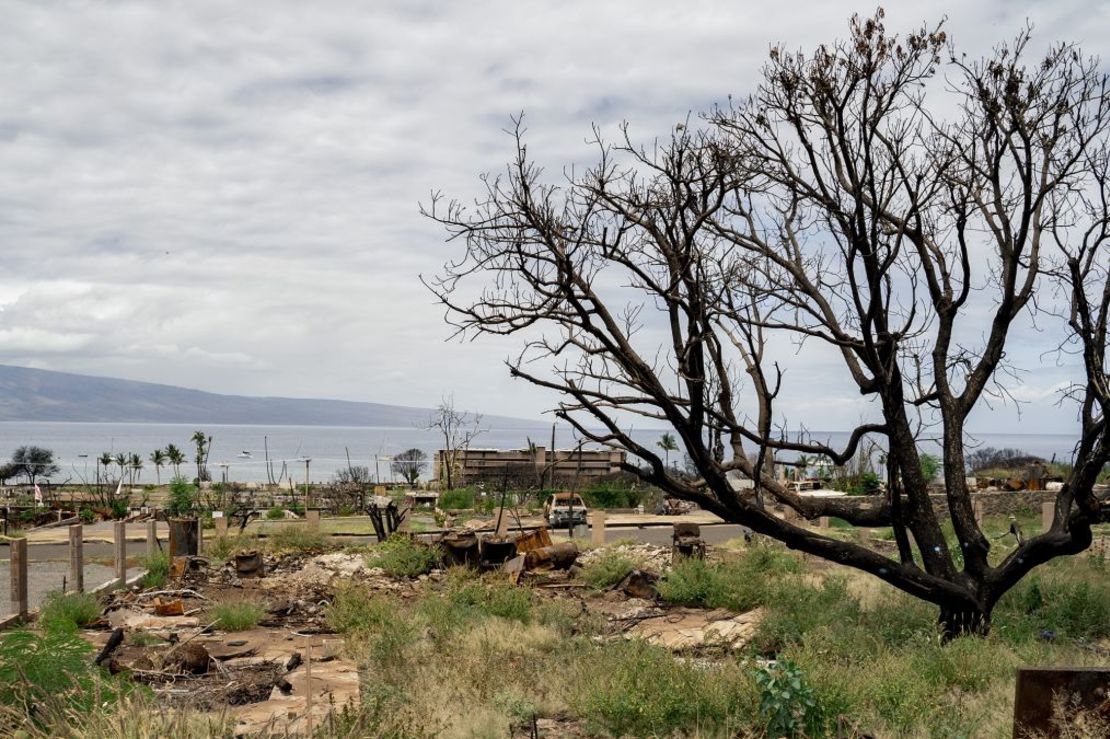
[(76, 445)]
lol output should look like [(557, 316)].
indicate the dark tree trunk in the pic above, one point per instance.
[(957, 621)]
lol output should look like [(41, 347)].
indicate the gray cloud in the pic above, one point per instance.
[(224, 196)]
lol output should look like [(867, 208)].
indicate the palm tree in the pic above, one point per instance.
[(158, 459), (801, 466), (103, 460), (122, 459), (204, 444), (176, 458), (136, 464), (667, 444)]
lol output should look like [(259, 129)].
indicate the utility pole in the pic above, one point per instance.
[(306, 501)]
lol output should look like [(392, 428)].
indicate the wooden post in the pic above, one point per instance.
[(823, 522), (313, 517), (19, 577), (597, 527), (76, 559), (221, 526), (1048, 511), (977, 508), (151, 539), (121, 553)]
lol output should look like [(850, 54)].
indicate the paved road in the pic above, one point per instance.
[(49, 561), (42, 577)]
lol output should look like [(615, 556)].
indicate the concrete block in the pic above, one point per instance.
[(120, 537), (76, 579), (597, 527), (18, 562)]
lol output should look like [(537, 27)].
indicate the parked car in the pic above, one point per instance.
[(565, 509)]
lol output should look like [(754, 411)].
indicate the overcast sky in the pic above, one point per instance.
[(224, 195)]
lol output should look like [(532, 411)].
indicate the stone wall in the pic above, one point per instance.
[(993, 503)]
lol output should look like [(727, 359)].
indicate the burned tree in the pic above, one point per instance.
[(857, 200), (458, 429)]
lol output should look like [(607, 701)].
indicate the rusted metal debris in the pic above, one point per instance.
[(249, 564), (686, 541)]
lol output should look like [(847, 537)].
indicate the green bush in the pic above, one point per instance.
[(276, 513), (48, 677), (182, 497), (236, 615), (612, 494), (121, 507), (787, 704), (456, 499), (87, 515), (607, 570), (68, 611), (401, 556)]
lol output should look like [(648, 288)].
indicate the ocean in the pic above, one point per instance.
[(241, 448)]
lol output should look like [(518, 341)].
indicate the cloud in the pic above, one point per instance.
[(224, 196)]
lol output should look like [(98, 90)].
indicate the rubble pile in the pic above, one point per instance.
[(650, 557)]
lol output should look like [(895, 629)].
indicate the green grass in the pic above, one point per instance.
[(739, 582), (608, 569), (157, 568), (295, 538), (401, 556), (68, 611), (236, 615)]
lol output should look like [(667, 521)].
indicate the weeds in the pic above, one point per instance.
[(738, 583), (296, 538), (401, 556), (68, 611), (236, 615), (157, 568), (608, 569)]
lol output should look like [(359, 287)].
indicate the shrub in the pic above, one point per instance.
[(48, 675), (401, 556), (182, 498), (612, 494), (121, 507), (87, 515), (608, 569), (276, 513), (456, 499), (68, 611), (787, 704), (236, 615)]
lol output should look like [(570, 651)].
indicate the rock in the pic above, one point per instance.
[(193, 658), (639, 584), (685, 629)]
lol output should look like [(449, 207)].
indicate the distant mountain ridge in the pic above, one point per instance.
[(43, 395)]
